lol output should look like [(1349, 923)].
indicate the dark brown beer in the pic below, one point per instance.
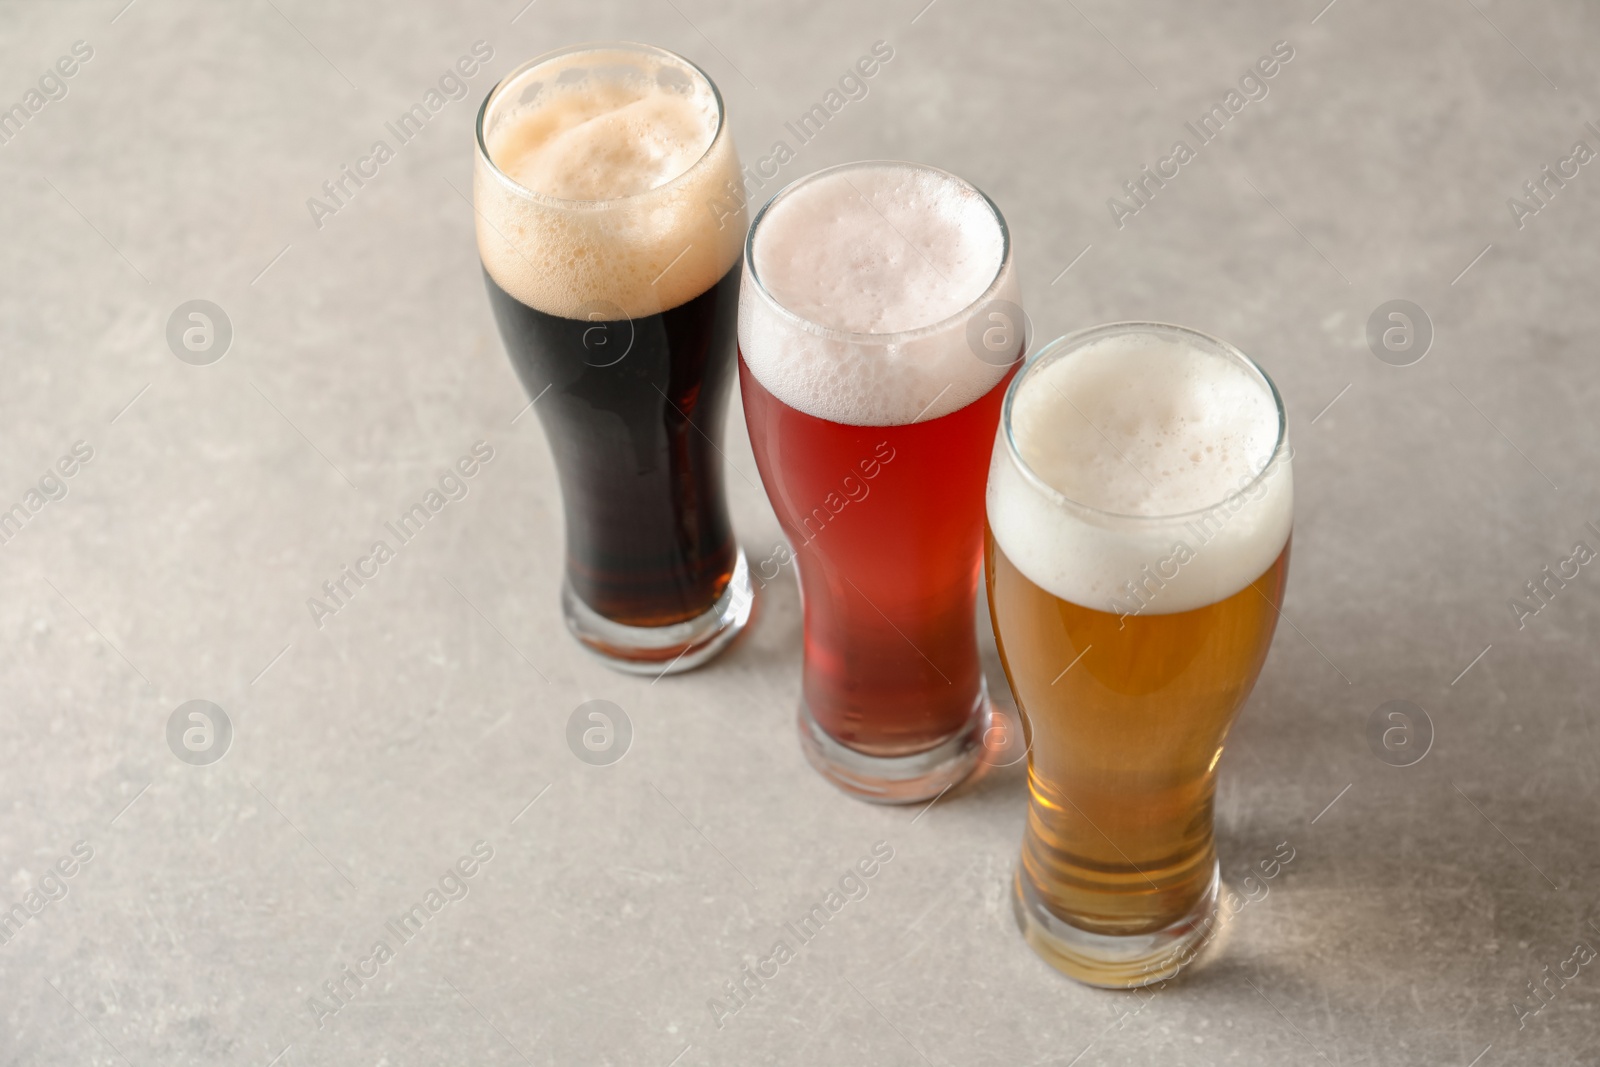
[(636, 440), (609, 225)]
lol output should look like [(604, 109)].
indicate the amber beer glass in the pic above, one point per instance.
[(615, 284), (877, 329), (1139, 509)]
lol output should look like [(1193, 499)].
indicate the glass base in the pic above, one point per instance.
[(662, 650), (1114, 961), (897, 779)]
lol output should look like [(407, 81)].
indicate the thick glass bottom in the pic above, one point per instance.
[(1113, 961), (662, 650), (897, 779)]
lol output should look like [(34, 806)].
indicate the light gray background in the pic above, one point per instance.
[(373, 752)]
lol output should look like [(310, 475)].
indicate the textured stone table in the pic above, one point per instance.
[(207, 904)]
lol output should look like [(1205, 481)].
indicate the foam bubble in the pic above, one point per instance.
[(608, 181), (873, 250), (1156, 436)]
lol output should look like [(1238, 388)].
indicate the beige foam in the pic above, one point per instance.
[(1155, 426), (609, 185), (874, 249)]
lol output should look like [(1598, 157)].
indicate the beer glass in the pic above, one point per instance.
[(1139, 509), (878, 326), (614, 279)]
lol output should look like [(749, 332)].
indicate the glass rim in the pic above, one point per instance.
[(1070, 343), (833, 333), (597, 46)]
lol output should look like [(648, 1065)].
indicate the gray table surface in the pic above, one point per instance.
[(371, 753)]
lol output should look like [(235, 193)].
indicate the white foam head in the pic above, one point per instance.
[(1127, 441), (603, 180), (860, 285)]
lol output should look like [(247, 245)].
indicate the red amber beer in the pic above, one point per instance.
[(1140, 505), (878, 330)]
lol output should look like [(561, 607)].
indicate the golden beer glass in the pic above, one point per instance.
[(1140, 504)]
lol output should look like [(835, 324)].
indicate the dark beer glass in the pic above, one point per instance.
[(609, 228)]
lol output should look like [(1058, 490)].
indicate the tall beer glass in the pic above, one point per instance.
[(877, 329), (1140, 502), (611, 248)]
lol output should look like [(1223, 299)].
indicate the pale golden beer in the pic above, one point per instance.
[(1122, 788), (1140, 504)]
